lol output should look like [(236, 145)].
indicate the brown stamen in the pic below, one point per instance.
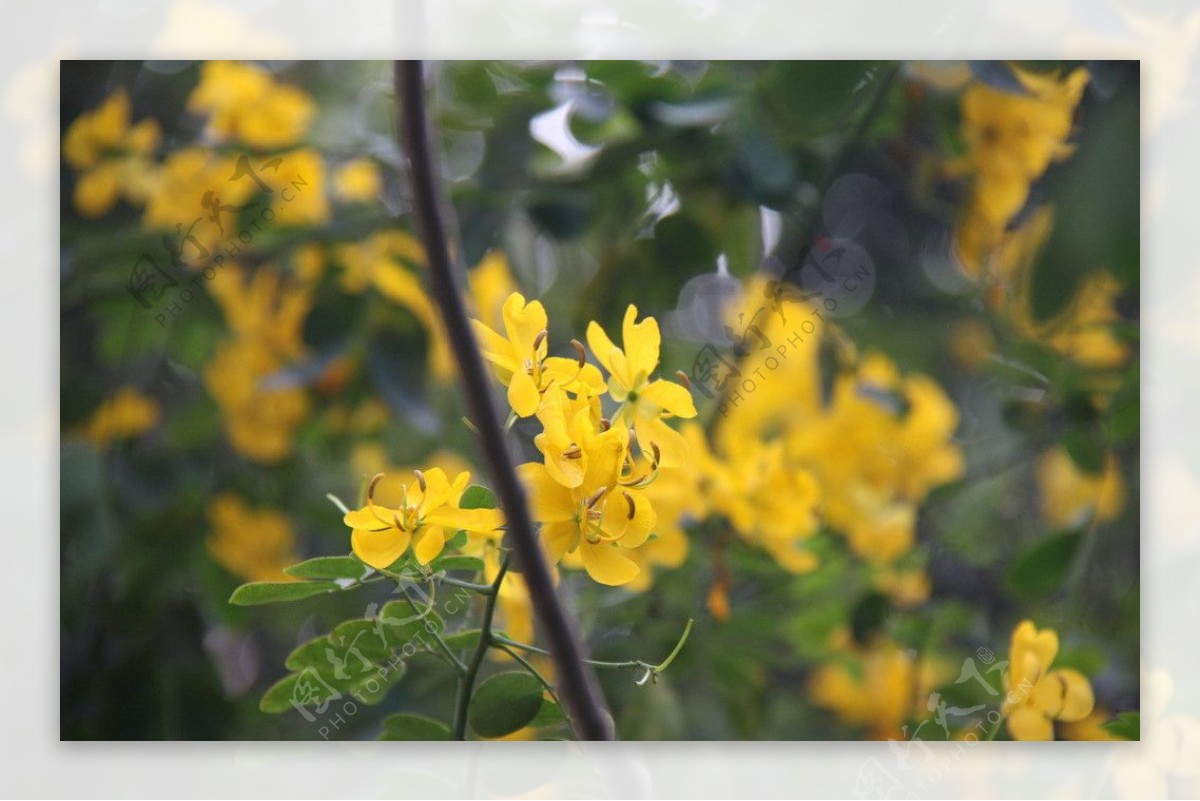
[(420, 479), (582, 354), (632, 505), (683, 379)]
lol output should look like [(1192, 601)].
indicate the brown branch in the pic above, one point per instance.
[(577, 684)]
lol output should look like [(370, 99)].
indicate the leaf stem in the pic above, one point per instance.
[(459, 667)]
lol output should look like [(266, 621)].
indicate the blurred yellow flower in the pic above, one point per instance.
[(1090, 728), (255, 545), (298, 189), (878, 686), (126, 414), (521, 362), (1011, 137), (644, 403), (358, 181), (188, 179), (426, 517), (1071, 497), (259, 419), (247, 104), (1036, 696), (112, 157), (491, 283), (264, 307)]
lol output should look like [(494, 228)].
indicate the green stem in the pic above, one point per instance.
[(654, 670), (459, 667), (530, 668), (482, 589), (466, 684)]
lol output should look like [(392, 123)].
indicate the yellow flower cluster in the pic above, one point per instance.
[(878, 685), (197, 192), (265, 316), (255, 545), (126, 414), (113, 158), (245, 103), (591, 490), (1036, 696), (862, 460), (1011, 139)]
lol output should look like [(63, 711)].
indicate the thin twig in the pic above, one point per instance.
[(466, 685), (577, 683)]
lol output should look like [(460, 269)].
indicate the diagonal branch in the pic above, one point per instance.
[(577, 684)]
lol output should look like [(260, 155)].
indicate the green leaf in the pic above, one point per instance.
[(463, 639), (1085, 449), (868, 616), (550, 714), (504, 703), (1043, 568), (453, 544), (477, 497), (399, 627), (1126, 725), (272, 592), (470, 564), (294, 690), (403, 726), (330, 567), (372, 687), (278, 698)]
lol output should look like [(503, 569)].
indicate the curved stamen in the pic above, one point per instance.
[(371, 499)]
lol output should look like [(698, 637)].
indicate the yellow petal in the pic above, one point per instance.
[(567, 373), (672, 447), (523, 394), (522, 323), (642, 343), (494, 347), (430, 541), (1064, 695), (1027, 723), (605, 563), (379, 548), (480, 521), (548, 500), (559, 538), (669, 396), (613, 360), (364, 519), (97, 189), (630, 530), (437, 490)]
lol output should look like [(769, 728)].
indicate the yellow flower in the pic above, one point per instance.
[(175, 202), (1036, 696), (600, 517), (112, 157), (299, 189), (264, 307), (1090, 728), (126, 414), (247, 104), (254, 545), (1011, 139), (521, 362), (259, 420), (491, 283), (426, 517), (878, 686), (644, 403), (1070, 497), (369, 459), (358, 181)]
